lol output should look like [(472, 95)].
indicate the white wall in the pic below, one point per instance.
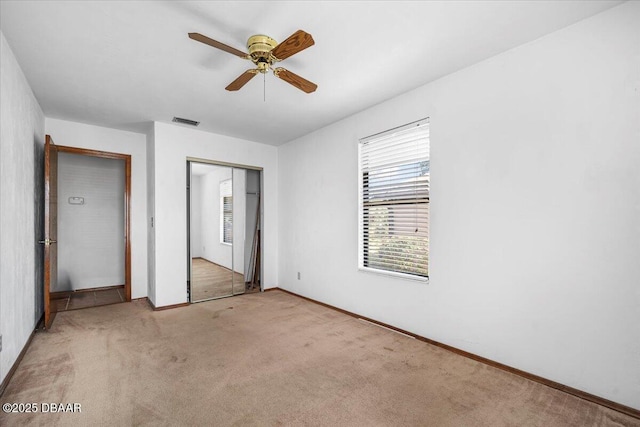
[(91, 246), (117, 141), (21, 209), (173, 144), (535, 209)]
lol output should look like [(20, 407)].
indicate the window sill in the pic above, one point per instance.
[(226, 244), (394, 274)]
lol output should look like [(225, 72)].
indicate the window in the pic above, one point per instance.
[(226, 212), (394, 201)]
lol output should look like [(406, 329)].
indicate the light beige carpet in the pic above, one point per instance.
[(269, 359)]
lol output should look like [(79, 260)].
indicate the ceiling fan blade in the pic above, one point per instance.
[(293, 44), (211, 42), (242, 80), (295, 80)]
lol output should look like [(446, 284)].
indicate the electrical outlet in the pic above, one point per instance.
[(298, 275)]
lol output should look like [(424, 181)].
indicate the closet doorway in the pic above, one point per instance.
[(223, 230), (87, 237)]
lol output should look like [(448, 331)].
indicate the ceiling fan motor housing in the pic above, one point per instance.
[(260, 47)]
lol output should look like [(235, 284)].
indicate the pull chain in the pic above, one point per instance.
[(264, 87)]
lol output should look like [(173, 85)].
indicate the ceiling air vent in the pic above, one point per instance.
[(185, 121)]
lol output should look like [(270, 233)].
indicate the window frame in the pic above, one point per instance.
[(361, 219)]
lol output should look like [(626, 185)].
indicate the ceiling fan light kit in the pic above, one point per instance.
[(264, 52)]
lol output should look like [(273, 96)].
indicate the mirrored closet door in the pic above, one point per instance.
[(223, 234)]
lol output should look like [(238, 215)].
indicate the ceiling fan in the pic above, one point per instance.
[(264, 52)]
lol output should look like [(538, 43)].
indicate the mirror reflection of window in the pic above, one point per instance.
[(226, 212)]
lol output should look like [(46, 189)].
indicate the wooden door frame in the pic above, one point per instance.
[(50, 188), (127, 203)]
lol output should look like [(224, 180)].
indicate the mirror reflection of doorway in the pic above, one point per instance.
[(223, 231)]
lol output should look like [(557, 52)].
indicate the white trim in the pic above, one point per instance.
[(360, 211), (395, 274)]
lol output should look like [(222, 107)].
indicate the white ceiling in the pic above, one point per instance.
[(124, 64)]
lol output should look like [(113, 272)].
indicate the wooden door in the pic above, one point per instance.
[(50, 228)]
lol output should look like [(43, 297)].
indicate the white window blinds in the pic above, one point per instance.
[(226, 212), (394, 200)]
